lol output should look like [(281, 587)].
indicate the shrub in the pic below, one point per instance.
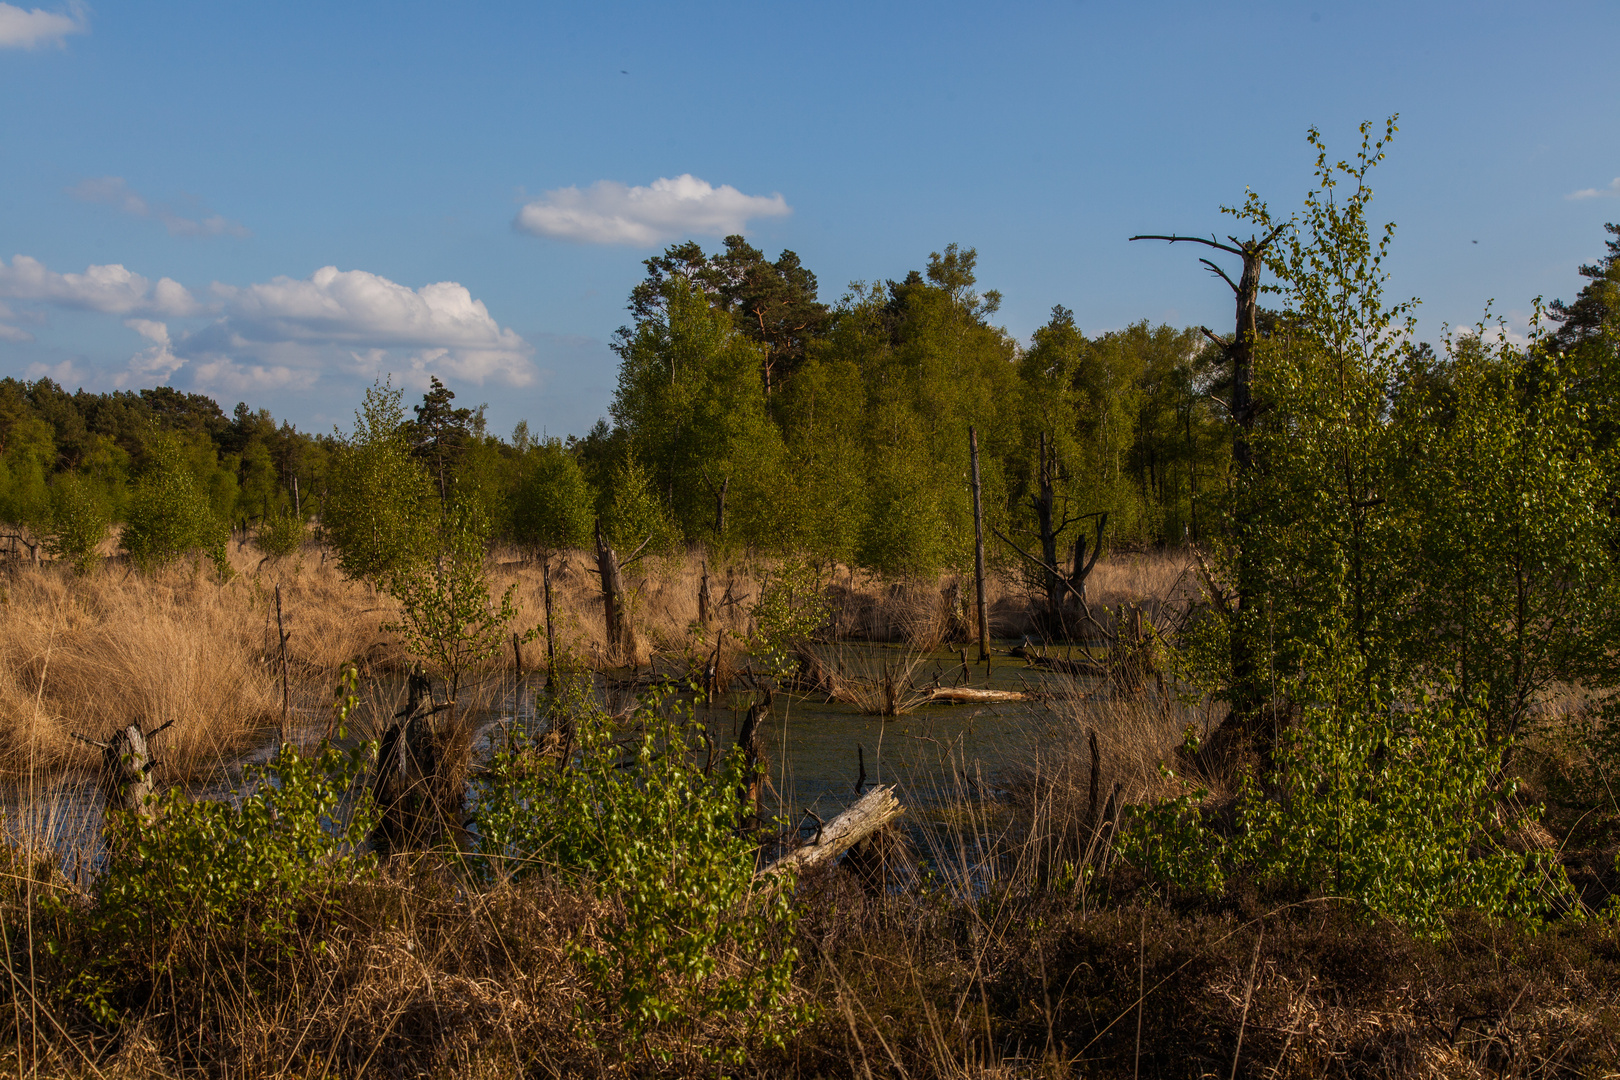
[(447, 616), (213, 875), (170, 514), (649, 826), (281, 534), (78, 522), (379, 492)]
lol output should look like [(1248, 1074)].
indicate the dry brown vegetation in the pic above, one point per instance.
[(115, 647)]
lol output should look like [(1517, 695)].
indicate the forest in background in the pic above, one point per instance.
[(749, 413)]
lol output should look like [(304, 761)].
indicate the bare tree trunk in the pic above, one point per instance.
[(621, 639), (704, 598), (415, 789), (748, 738), (1246, 692), (1044, 503), (978, 549), (551, 637), (286, 682), (126, 774)]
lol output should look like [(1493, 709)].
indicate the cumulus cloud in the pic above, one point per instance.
[(608, 212), (438, 326), (113, 191), (1610, 192), (285, 333), (24, 29), (111, 289), (156, 362)]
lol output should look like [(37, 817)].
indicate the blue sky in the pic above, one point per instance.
[(483, 179)]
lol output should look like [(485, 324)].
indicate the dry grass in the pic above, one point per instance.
[(116, 647)]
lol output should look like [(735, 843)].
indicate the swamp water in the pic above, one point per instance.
[(813, 749)]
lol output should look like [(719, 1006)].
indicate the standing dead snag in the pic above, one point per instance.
[(621, 637), (978, 552), (286, 680), (416, 788), (749, 742), (126, 771), (1246, 684)]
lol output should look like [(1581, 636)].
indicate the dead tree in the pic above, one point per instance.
[(286, 680), (870, 813), (1075, 580), (545, 555), (719, 493), (621, 636), (127, 766), (748, 740), (1246, 690), (704, 598), (978, 551), (414, 786)]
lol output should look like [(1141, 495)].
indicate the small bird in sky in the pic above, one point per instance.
[(1476, 241), (624, 72)]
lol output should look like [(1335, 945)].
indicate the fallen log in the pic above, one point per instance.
[(967, 695), (870, 813)]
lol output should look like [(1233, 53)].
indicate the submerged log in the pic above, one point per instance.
[(1077, 668), (870, 813)]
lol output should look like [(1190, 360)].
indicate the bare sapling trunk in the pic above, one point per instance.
[(1044, 503), (978, 550), (748, 739), (551, 637), (704, 598), (1246, 691), (621, 638)]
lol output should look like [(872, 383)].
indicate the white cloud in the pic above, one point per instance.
[(1610, 192), (285, 333), (113, 191), (440, 326), (110, 289), (608, 212), (23, 29), (156, 362)]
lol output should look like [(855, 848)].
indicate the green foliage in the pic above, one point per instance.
[(695, 936), (551, 508), (1169, 841), (792, 608), (79, 520), (170, 513), (216, 877), (281, 534), (1392, 805), (634, 515), (380, 495), (447, 616)]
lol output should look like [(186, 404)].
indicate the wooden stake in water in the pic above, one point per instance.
[(978, 549)]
